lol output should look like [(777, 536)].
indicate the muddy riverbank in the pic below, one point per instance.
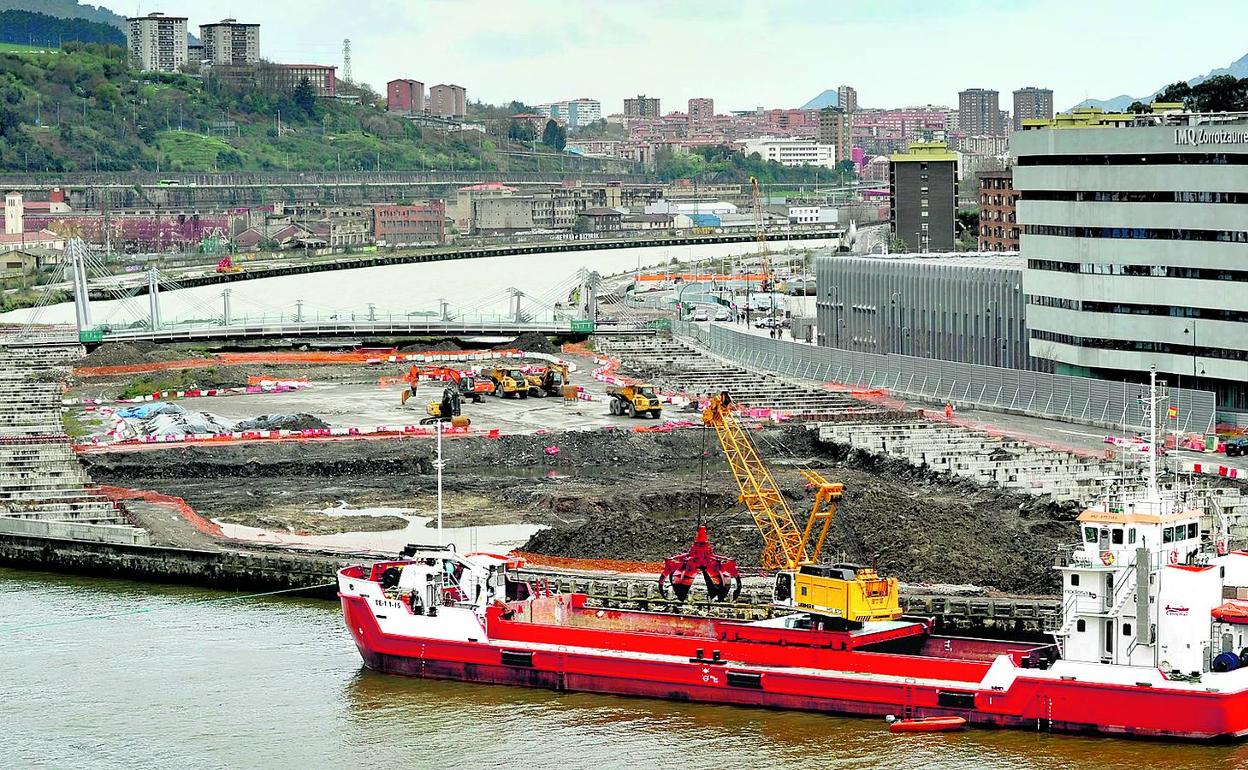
[(618, 494)]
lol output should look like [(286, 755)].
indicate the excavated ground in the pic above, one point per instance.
[(622, 495)]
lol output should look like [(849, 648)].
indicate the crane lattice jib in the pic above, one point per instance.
[(782, 539)]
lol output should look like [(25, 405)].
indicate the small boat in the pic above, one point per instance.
[(927, 725)]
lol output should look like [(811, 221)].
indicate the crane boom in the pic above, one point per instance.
[(783, 543)]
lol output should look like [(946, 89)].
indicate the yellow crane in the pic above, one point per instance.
[(846, 593)]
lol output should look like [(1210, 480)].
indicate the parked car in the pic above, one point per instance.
[(723, 315), (768, 323), (1237, 447), (700, 315)]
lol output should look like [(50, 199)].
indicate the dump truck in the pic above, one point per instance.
[(635, 400), (508, 383)]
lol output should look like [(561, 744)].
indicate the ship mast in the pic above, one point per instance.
[(1153, 495)]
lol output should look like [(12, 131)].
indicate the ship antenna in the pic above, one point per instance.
[(1152, 434)]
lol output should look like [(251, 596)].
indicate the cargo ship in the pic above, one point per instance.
[(1146, 644)]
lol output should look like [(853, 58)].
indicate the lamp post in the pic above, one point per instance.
[(998, 344), (896, 321)]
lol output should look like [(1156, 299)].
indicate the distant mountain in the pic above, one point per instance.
[(23, 27), (826, 99), (67, 9), (1238, 68)]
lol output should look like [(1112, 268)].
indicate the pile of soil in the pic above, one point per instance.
[(315, 522), (433, 346), (301, 421), (531, 342), (131, 353)]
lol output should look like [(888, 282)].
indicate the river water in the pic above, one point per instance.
[(113, 674), (473, 288)]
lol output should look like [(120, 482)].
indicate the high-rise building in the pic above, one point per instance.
[(701, 110), (834, 125), (924, 196), (979, 112), (1032, 103), (405, 96), (157, 42), (229, 42), (1135, 232), (847, 99), (576, 113), (998, 218), (641, 107), (448, 101)]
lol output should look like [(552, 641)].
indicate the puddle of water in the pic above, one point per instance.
[(498, 538)]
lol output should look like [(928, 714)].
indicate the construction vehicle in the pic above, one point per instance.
[(635, 400), (446, 410), (508, 383), (548, 380), (226, 265), (470, 386), (840, 595)]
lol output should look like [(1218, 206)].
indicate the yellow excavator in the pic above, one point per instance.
[(847, 595), (548, 380)]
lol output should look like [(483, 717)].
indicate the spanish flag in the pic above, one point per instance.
[(1174, 412)]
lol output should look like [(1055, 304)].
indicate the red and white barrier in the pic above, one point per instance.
[(1214, 470)]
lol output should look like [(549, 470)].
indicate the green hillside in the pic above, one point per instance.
[(84, 108), (40, 29)]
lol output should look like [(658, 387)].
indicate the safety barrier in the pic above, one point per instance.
[(165, 395), (310, 434), (119, 495), (1214, 470)]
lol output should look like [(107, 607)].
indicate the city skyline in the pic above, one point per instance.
[(695, 49)]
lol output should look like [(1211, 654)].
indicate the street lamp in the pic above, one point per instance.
[(993, 312), (896, 321)]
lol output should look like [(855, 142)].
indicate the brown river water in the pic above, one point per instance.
[(112, 674)]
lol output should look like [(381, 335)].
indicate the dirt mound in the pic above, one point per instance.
[(283, 422), (610, 536), (433, 346), (131, 353), (531, 342)]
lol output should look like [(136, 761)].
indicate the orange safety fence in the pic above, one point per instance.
[(701, 277), (576, 349), (261, 379), (880, 396), (234, 359), (121, 494), (588, 565), (999, 432)]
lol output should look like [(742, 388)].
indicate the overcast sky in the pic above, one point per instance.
[(747, 53)]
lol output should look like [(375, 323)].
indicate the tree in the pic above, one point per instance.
[(555, 136), (1140, 108), (520, 131), (1175, 92), (898, 245), (305, 97)]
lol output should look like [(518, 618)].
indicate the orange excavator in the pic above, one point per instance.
[(470, 386)]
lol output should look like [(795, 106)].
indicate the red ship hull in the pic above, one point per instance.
[(841, 681)]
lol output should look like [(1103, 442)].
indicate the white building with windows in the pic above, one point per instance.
[(1135, 236), (793, 151), (576, 113), (157, 42)]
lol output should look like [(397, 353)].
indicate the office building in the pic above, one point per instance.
[(701, 110), (834, 129), (1031, 103), (998, 220), (847, 99), (405, 224), (448, 101), (641, 107), (979, 112), (965, 306), (405, 96), (791, 151), (229, 42), (1135, 231), (157, 43), (923, 187)]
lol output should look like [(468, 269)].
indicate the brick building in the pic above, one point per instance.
[(406, 96), (1031, 103), (448, 101), (401, 224), (979, 112), (998, 221), (701, 110)]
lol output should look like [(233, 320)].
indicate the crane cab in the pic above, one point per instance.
[(846, 592)]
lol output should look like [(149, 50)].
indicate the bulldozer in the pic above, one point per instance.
[(635, 400), (446, 410), (508, 383), (548, 380)]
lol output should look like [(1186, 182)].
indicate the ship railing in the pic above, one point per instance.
[(1059, 623)]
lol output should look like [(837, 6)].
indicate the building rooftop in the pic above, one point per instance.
[(1163, 114), (1009, 260), (925, 151)]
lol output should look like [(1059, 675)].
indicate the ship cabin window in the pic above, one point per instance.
[(1089, 534), (1074, 580), (1116, 536), (1126, 629), (1131, 536), (1193, 531), (1081, 626), (1167, 535)]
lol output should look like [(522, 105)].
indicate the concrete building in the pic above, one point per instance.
[(229, 42), (923, 186), (448, 101), (847, 99), (834, 129), (979, 112), (1031, 103), (575, 113), (641, 107), (1135, 232), (321, 76), (404, 95), (461, 211), (16, 237), (998, 218), (701, 110), (599, 220), (965, 306), (157, 42), (401, 224), (984, 145), (793, 151), (504, 214)]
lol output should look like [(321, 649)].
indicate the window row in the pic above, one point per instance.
[(1134, 196), (1139, 233), (1150, 271)]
